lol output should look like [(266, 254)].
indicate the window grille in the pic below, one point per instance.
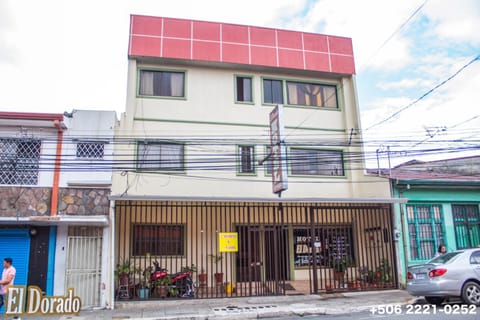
[(466, 219), (426, 230), (90, 150), (19, 161), (158, 240), (246, 156)]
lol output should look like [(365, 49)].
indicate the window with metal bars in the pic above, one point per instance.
[(158, 239), (467, 225), (426, 230), (246, 155), (19, 161), (90, 150)]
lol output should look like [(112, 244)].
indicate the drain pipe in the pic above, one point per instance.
[(56, 170)]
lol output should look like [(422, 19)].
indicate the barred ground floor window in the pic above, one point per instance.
[(425, 229)]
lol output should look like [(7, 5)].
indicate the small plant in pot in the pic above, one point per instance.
[(161, 286), (202, 278), (122, 271), (144, 289), (218, 275), (339, 266), (192, 268)]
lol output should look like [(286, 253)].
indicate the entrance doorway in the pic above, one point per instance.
[(262, 253)]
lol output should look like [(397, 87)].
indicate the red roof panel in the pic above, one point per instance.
[(219, 42)]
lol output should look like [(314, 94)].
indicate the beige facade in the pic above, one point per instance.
[(175, 216), (209, 112)]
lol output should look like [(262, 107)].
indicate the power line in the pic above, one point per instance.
[(394, 33), (424, 95)]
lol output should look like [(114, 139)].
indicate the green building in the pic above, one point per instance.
[(442, 200)]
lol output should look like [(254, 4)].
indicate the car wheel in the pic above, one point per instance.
[(435, 300), (471, 293)]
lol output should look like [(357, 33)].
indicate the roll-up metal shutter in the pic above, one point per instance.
[(15, 244)]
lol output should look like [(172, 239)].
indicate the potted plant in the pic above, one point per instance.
[(161, 286), (202, 278), (192, 268), (144, 290), (339, 266), (383, 274), (122, 272), (218, 275)]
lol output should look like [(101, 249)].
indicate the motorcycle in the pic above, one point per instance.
[(180, 285)]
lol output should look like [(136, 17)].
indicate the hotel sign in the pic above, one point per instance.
[(22, 301)]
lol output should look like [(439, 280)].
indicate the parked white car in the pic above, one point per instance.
[(453, 274)]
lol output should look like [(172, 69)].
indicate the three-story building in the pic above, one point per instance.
[(196, 188)]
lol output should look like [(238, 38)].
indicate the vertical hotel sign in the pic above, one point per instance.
[(278, 152)]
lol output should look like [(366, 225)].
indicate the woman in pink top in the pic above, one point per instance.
[(8, 277)]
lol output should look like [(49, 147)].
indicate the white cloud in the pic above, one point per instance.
[(405, 83), (369, 23), (271, 13), (455, 21), (7, 52), (74, 54)]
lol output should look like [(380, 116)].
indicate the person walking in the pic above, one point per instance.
[(8, 278)]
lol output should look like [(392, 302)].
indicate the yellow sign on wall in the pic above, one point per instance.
[(228, 241)]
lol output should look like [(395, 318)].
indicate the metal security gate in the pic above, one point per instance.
[(350, 248), (84, 263), (283, 248)]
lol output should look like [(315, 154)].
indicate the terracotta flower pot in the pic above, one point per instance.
[(202, 277), (218, 277)]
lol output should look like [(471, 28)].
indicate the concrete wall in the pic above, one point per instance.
[(84, 126), (209, 110)]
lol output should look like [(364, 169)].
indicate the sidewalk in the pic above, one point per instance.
[(244, 308)]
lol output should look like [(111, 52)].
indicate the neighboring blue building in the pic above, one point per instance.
[(443, 199)]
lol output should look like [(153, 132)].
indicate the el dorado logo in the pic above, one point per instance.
[(20, 300)]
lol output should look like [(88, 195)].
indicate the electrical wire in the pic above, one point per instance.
[(425, 94)]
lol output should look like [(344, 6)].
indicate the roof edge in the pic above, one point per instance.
[(252, 199), (31, 116)]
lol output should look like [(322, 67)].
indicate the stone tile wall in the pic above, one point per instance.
[(31, 201), (83, 201), (25, 201)]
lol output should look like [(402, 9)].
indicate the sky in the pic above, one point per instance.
[(418, 83)]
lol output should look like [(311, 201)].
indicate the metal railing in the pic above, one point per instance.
[(283, 248)]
